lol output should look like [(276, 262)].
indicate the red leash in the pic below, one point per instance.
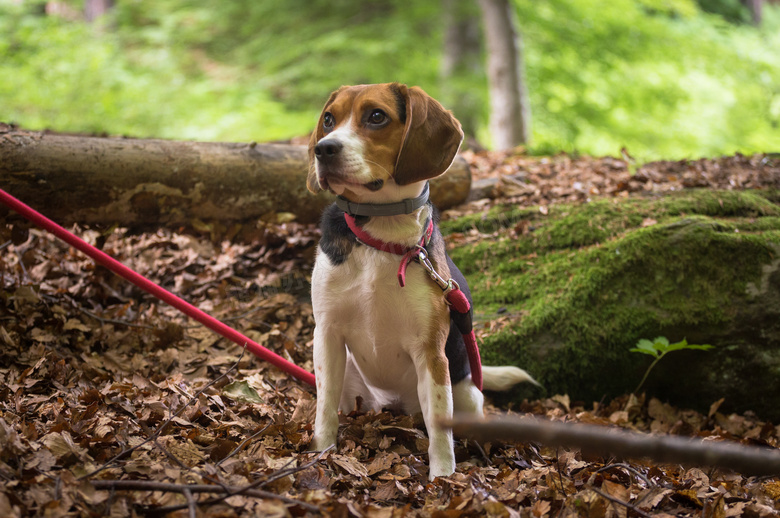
[(159, 292)]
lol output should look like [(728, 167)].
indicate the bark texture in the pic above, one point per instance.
[(94, 9), (756, 10), (153, 183), (461, 59), (510, 113)]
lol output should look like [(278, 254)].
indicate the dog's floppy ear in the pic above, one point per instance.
[(311, 180), (431, 139)]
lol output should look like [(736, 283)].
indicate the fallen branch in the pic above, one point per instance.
[(749, 460), (166, 487), (152, 183)]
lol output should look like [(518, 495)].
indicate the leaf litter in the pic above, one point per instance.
[(113, 404)]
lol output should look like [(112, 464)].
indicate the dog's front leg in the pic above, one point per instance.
[(435, 394), (330, 356)]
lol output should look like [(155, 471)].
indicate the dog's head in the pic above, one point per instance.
[(370, 139)]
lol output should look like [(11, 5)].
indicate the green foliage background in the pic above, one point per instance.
[(664, 78)]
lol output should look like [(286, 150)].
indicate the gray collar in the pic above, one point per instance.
[(406, 206)]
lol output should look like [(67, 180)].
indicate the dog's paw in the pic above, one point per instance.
[(323, 442), (442, 463), (441, 454), (441, 470)]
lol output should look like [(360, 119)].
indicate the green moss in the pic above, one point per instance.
[(589, 280), (574, 226), (743, 204)]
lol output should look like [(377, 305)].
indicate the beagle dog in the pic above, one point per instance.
[(379, 342)]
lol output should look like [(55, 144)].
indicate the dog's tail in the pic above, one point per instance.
[(504, 378)]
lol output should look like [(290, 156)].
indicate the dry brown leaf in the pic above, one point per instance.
[(540, 508), (305, 409), (651, 497), (350, 465), (382, 462), (61, 445)]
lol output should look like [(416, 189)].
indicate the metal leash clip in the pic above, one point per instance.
[(445, 285)]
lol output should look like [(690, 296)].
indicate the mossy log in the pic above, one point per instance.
[(577, 288), (145, 184)]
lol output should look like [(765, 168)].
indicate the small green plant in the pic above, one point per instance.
[(658, 348)]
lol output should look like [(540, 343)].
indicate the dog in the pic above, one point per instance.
[(384, 333)]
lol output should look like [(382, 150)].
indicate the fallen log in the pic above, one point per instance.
[(749, 460), (145, 184)]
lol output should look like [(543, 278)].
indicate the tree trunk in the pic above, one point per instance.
[(461, 59), (94, 9), (152, 183), (755, 8), (510, 115)]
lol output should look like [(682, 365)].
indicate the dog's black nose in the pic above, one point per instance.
[(327, 150)]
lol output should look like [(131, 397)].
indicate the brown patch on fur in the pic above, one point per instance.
[(440, 325), (438, 365), (414, 146), (431, 138), (438, 254), (353, 105)]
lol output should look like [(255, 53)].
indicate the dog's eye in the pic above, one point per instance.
[(328, 121), (377, 117)]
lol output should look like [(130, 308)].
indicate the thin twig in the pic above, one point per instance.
[(280, 473), (620, 502), (558, 469), (97, 317), (250, 489), (481, 451), (750, 460), (182, 465), (103, 320), (162, 427), (241, 446), (166, 487), (21, 264), (628, 468), (191, 504)]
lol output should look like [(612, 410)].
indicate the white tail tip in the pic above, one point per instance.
[(504, 378)]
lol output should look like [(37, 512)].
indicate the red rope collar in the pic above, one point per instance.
[(408, 253)]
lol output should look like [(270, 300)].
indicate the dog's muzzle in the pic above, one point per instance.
[(328, 151)]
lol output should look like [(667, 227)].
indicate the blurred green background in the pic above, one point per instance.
[(663, 78)]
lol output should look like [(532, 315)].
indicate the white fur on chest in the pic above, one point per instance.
[(360, 304)]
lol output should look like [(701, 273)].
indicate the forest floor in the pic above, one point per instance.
[(113, 404)]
